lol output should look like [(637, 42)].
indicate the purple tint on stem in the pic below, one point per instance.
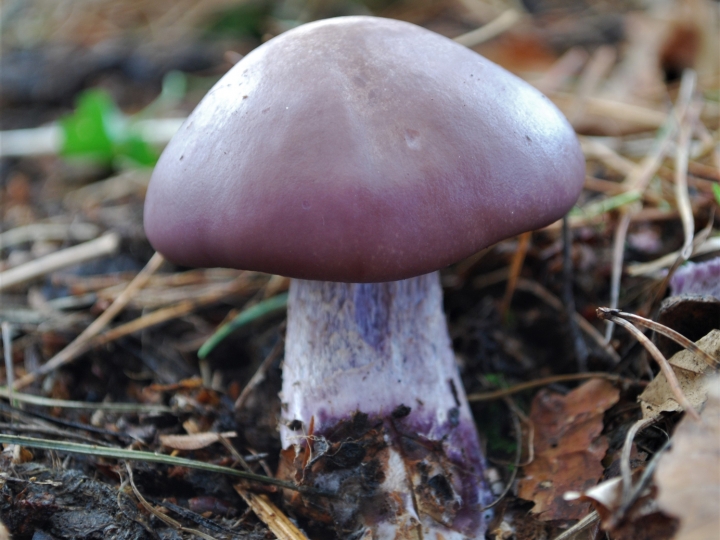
[(377, 349)]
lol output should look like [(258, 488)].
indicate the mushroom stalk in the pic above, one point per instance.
[(374, 410)]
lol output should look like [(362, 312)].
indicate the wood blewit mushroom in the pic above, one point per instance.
[(359, 155)]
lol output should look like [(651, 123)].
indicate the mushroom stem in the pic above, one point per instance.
[(374, 410)]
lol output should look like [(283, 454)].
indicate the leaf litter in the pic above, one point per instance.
[(569, 448), (693, 375), (688, 475)]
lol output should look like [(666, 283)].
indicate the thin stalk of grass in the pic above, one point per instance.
[(151, 457)]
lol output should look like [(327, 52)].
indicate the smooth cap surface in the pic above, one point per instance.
[(360, 149)]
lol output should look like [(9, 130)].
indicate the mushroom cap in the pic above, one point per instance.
[(360, 149)]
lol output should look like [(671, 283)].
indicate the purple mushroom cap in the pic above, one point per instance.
[(360, 149)]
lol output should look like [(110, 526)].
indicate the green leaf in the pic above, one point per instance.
[(98, 131), (135, 148), (716, 191), (87, 130)]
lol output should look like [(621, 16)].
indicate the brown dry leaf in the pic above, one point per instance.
[(568, 448), (643, 520), (688, 476), (19, 454), (194, 441), (692, 374)]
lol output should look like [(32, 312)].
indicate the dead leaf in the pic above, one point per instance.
[(688, 476), (18, 454), (568, 448), (642, 521), (194, 441), (692, 374)]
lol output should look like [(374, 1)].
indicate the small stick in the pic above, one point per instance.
[(553, 301), (599, 150), (581, 350), (636, 490), (261, 504), (100, 247), (515, 269), (581, 525), (53, 232), (41, 401), (565, 67), (669, 333), (681, 168), (665, 367), (497, 394), (710, 245), (502, 23), (608, 187), (601, 62), (80, 344), (9, 371), (617, 110), (625, 470), (270, 515), (617, 266), (165, 314)]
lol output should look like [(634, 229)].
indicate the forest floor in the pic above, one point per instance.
[(112, 425)]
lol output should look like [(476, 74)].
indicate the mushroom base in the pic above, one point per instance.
[(374, 410)]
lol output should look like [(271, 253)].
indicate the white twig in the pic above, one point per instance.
[(105, 245), (49, 140), (48, 232), (642, 269), (7, 349), (494, 28)]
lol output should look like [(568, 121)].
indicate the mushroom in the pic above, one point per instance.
[(358, 156)]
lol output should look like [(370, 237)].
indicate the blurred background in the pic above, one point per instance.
[(54, 49)]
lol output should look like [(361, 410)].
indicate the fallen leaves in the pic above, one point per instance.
[(568, 448), (692, 375), (688, 476), (638, 519)]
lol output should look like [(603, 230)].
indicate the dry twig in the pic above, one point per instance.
[(515, 269), (608, 314), (81, 344), (105, 245), (545, 381), (494, 28)]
